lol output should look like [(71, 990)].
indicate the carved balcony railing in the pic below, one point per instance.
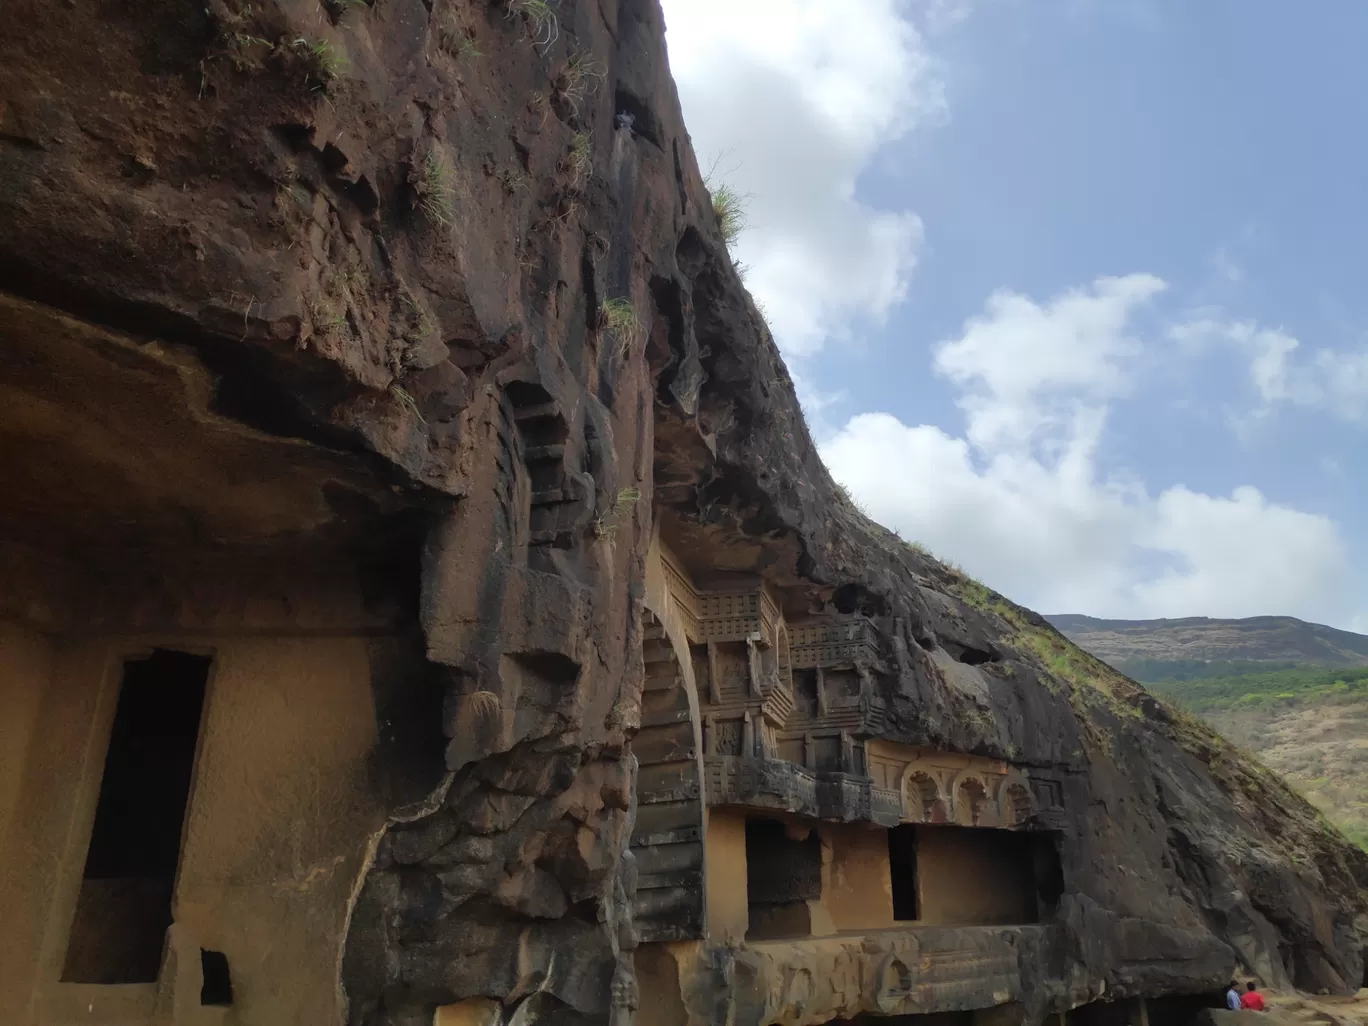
[(832, 641), (789, 787)]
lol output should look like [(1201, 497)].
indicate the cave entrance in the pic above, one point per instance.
[(972, 876), (1166, 1010), (783, 874), (124, 907)]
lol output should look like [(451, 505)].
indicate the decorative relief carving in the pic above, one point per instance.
[(1015, 805), (935, 969), (895, 983), (803, 696), (726, 737), (971, 802), (946, 787), (924, 802)]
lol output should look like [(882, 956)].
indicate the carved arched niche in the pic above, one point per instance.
[(972, 804), (1015, 803), (922, 797)]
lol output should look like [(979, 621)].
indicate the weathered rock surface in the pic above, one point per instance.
[(387, 234)]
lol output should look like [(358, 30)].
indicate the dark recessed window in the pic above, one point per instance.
[(124, 906)]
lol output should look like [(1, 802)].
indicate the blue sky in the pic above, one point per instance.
[(1071, 288)]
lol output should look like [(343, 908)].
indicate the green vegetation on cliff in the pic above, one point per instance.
[(1308, 723), (1295, 694), (1280, 688)]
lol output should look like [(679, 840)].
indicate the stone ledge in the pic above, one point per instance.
[(903, 971)]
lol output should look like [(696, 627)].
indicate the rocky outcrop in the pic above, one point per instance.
[(463, 250)]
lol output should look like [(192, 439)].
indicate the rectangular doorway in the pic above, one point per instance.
[(902, 866), (124, 906)]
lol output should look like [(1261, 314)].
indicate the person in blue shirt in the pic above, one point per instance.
[(1233, 997)]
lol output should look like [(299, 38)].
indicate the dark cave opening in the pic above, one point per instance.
[(902, 863), (124, 907), (782, 875), (216, 987)]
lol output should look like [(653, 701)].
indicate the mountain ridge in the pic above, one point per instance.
[(1292, 691), (1258, 639)]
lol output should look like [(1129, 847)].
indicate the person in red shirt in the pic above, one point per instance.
[(1252, 1000)]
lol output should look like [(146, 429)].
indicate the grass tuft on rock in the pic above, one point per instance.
[(620, 323), (543, 26), (436, 197)]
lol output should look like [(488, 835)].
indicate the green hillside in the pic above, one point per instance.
[(1275, 685), (1308, 723), (1264, 688)]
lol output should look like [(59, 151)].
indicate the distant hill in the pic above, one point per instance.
[(1198, 646), (1296, 693)]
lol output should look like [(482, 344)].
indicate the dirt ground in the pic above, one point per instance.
[(1333, 1011)]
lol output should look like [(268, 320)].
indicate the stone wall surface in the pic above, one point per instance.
[(389, 235)]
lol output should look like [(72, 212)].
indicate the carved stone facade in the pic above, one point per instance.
[(321, 424), (791, 712), (806, 908)]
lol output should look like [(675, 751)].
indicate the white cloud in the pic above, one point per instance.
[(1243, 555), (797, 99), (807, 92), (1026, 368), (1329, 380), (1022, 501)]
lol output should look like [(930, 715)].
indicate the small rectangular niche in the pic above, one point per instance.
[(124, 907), (216, 987)]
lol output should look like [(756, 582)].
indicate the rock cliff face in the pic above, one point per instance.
[(419, 241)]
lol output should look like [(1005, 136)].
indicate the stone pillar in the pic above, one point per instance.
[(754, 663)]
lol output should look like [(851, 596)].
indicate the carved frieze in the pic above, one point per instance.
[(832, 641), (950, 787), (895, 972)]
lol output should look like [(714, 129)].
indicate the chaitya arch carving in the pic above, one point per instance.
[(971, 802), (1015, 803), (956, 787), (922, 797)]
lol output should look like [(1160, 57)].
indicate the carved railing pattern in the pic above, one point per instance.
[(832, 641), (786, 786)]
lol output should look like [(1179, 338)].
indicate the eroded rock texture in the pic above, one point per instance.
[(399, 238)]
